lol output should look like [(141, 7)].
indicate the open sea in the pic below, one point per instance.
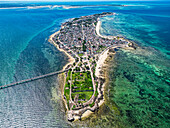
[(138, 91)]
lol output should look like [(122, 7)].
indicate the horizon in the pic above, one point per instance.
[(79, 0), (84, 63)]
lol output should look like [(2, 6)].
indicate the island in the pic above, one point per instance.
[(88, 52)]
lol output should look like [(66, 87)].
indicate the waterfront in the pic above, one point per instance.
[(30, 54), (79, 38)]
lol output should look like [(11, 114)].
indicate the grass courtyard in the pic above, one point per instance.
[(81, 86), (81, 81)]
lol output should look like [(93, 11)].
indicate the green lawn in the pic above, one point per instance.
[(101, 49), (91, 105), (67, 88), (82, 95), (80, 55), (68, 76), (82, 81), (67, 93)]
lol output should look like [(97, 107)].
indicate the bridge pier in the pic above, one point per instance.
[(33, 79)]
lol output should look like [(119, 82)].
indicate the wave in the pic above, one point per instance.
[(45, 6), (134, 5), (57, 6), (13, 8)]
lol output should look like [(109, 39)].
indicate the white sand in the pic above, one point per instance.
[(101, 102), (101, 61), (71, 59), (12, 7), (98, 26), (37, 7), (29, 7), (69, 7), (86, 114)]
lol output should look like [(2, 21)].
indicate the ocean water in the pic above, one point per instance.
[(138, 92)]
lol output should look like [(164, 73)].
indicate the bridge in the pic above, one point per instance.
[(33, 79)]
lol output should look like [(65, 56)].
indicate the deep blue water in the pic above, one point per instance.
[(26, 52)]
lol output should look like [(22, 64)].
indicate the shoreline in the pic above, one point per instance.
[(100, 72), (98, 26), (71, 59), (102, 60)]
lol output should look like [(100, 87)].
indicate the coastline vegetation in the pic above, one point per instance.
[(84, 80)]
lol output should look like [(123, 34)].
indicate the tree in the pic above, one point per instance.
[(77, 69), (80, 64), (101, 46), (94, 62), (84, 41), (88, 73), (77, 59), (87, 67), (84, 47), (81, 58)]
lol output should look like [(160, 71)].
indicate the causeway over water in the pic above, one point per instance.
[(32, 79)]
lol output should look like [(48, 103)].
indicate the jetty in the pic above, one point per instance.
[(33, 79), (80, 38)]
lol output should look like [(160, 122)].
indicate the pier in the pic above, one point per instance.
[(33, 79)]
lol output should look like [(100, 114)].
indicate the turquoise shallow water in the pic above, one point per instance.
[(146, 30), (139, 79), (140, 87)]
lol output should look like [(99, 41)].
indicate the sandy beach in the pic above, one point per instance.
[(29, 7), (98, 72), (86, 114), (37, 7), (69, 7), (98, 26), (14, 8), (100, 62), (71, 59)]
